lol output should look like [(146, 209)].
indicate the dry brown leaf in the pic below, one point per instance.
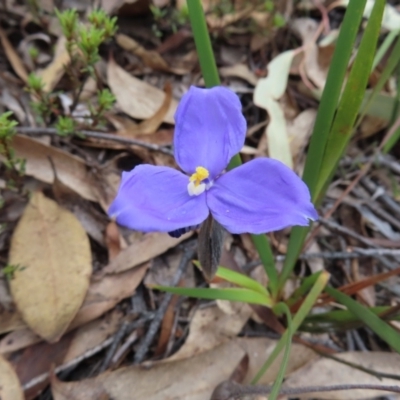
[(258, 351), (71, 170), (137, 98), (52, 280), (18, 339), (10, 388), (150, 58), (55, 70), (144, 249), (325, 371), (10, 321), (209, 328), (92, 335), (190, 379), (83, 390), (103, 295), (13, 57), (113, 240), (315, 68)]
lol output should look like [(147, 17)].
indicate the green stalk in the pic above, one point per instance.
[(211, 78), (203, 43)]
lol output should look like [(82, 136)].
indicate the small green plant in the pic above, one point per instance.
[(65, 126), (7, 131), (9, 271), (82, 44), (168, 18), (43, 103)]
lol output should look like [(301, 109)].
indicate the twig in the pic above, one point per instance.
[(155, 324), (355, 252), (113, 348), (97, 135), (33, 382), (233, 391)]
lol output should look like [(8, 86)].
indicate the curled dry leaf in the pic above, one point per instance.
[(52, 252), (13, 57), (241, 71), (137, 98), (268, 90), (150, 58), (71, 170), (10, 388)]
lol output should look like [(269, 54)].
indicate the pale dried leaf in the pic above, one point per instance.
[(189, 379), (274, 85), (71, 170), (299, 132), (325, 371), (10, 388), (55, 70), (276, 132), (241, 71), (144, 249), (267, 91), (136, 98), (54, 269), (13, 57)]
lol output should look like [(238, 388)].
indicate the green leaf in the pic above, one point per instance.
[(349, 106), (241, 280), (381, 328), (323, 122), (232, 294), (282, 308)]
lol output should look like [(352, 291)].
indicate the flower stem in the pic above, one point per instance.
[(211, 78), (203, 43)]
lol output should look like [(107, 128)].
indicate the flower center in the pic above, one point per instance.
[(196, 185)]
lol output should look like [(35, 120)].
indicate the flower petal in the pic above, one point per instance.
[(209, 129), (260, 196), (154, 198)]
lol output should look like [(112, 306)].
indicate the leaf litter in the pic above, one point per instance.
[(77, 289)]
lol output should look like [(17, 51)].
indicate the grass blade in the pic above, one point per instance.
[(231, 294), (381, 328), (297, 321), (352, 97), (323, 122)]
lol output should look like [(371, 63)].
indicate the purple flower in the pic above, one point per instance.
[(260, 196)]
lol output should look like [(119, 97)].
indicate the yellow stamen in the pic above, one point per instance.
[(199, 176)]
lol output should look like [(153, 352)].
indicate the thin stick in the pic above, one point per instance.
[(97, 135), (233, 391)]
